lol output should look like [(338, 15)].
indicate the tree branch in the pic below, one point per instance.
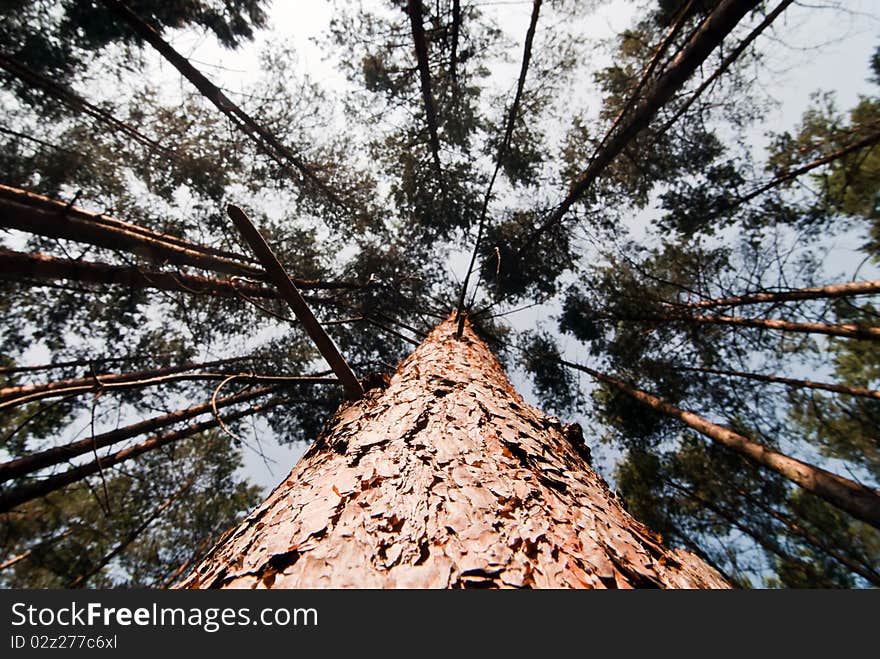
[(814, 293), (806, 384), (264, 139), (289, 293), (32, 213), (414, 10), (502, 150), (24, 493), (856, 499), (723, 19)]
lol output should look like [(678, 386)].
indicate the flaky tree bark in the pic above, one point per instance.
[(447, 478)]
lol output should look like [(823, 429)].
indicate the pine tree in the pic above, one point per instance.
[(705, 339), (446, 479)]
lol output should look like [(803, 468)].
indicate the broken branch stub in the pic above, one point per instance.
[(290, 294)]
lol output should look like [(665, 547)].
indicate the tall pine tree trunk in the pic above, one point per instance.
[(446, 478)]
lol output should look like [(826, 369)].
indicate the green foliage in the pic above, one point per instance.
[(69, 533), (555, 384), (670, 222), (845, 427), (700, 491), (517, 263), (58, 39)]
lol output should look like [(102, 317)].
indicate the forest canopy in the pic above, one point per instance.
[(608, 206)]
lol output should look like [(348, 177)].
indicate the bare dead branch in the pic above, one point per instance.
[(292, 296), (98, 385), (35, 461)]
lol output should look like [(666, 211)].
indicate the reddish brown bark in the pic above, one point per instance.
[(447, 478)]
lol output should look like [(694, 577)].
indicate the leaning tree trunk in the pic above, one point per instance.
[(446, 478)]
